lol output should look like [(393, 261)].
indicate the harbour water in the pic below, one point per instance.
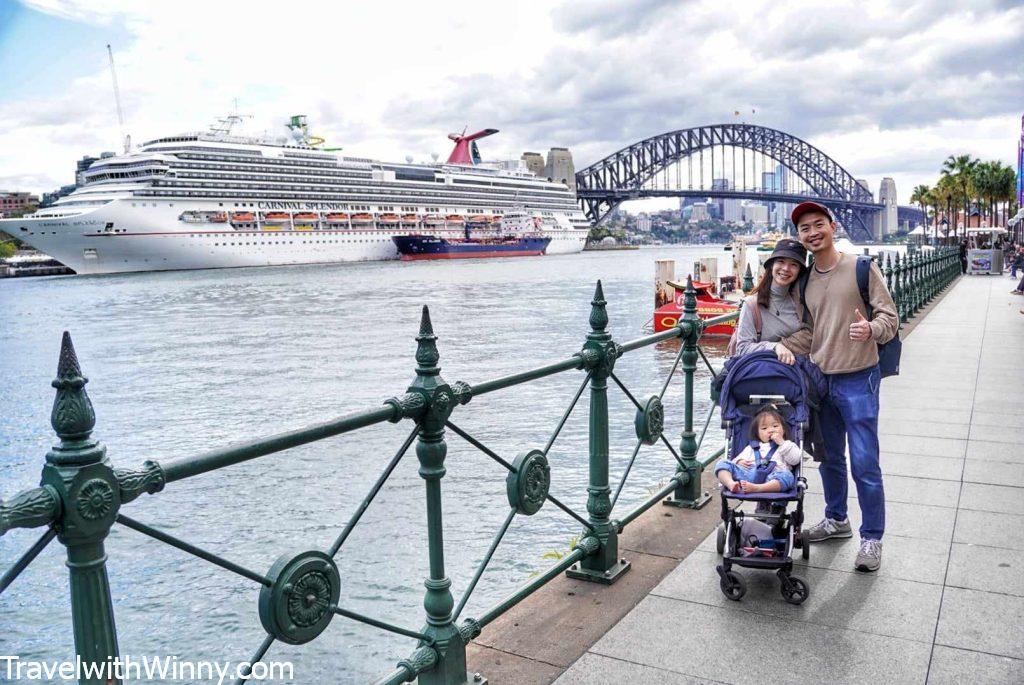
[(180, 362)]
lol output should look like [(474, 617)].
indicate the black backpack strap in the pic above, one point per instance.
[(802, 283), (863, 276)]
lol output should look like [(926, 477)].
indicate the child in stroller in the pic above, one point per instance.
[(762, 397), (765, 465)]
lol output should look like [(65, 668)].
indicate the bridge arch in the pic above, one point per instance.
[(621, 176)]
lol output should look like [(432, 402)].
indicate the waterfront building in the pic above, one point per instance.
[(755, 213), (13, 202)]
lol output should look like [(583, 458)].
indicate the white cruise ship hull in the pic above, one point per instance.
[(121, 238)]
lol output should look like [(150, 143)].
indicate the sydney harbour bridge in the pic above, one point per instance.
[(737, 161)]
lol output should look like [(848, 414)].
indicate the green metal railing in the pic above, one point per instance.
[(82, 494)]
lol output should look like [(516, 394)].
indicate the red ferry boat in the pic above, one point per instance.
[(709, 306)]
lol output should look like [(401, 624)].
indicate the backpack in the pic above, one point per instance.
[(889, 352)]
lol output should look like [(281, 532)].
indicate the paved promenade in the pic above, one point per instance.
[(947, 606)]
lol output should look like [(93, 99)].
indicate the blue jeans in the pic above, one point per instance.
[(850, 413), (783, 475)]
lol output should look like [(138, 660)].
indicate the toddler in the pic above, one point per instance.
[(765, 465)]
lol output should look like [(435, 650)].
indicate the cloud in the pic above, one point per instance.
[(884, 88)]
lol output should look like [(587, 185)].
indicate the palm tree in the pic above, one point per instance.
[(918, 196), (945, 194), (960, 169)]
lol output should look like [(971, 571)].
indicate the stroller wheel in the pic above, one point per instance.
[(720, 539), (795, 590), (733, 586)]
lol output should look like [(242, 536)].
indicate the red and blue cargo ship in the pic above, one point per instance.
[(415, 247)]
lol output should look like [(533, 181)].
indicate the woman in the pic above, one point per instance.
[(777, 300)]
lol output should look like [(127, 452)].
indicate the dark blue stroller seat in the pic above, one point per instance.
[(752, 382)]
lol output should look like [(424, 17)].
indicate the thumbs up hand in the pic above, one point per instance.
[(860, 329)]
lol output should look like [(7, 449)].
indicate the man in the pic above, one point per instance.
[(843, 343)]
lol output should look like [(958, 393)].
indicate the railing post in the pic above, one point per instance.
[(689, 493), (918, 285), (887, 270), (899, 293), (431, 449), (79, 473), (599, 354)]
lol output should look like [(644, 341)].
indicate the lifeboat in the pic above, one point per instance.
[(242, 218), (410, 218), (276, 217), (362, 218), (191, 218), (389, 218), (306, 217), (709, 306), (433, 219), (479, 219), (337, 218), (455, 219), (219, 218)]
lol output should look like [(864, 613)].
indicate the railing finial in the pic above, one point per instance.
[(72, 417), (427, 355), (598, 310)]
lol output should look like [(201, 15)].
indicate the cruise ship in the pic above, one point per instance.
[(211, 200)]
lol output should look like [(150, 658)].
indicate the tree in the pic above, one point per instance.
[(960, 168)]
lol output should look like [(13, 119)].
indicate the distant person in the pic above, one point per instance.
[(1016, 262), (844, 344), (963, 256)]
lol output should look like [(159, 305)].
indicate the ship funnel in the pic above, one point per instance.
[(463, 152)]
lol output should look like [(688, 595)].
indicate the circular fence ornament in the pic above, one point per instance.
[(650, 421), (296, 607), (528, 485)]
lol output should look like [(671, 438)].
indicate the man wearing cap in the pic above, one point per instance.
[(844, 345)]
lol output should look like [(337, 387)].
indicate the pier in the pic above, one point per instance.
[(635, 596)]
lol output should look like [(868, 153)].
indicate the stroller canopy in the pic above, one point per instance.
[(761, 373)]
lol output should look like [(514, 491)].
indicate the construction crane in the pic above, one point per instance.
[(117, 100)]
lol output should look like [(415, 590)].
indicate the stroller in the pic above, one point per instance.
[(765, 538)]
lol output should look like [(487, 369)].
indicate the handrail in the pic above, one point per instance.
[(81, 493)]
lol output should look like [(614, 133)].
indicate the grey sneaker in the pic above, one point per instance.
[(828, 528), (869, 558)]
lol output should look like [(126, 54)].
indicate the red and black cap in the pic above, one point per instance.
[(805, 207)]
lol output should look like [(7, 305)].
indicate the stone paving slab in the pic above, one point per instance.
[(840, 599), (981, 621), (595, 669), (947, 606), (990, 529), (992, 569), (991, 472), (693, 639), (930, 491), (998, 498), (996, 445), (958, 666)]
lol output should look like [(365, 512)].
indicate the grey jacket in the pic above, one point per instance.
[(783, 317)]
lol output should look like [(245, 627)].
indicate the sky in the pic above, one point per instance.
[(884, 88)]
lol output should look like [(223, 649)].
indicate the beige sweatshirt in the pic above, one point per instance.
[(832, 298)]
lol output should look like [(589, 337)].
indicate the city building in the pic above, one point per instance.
[(886, 221), (699, 212), (560, 167), (13, 201), (755, 213), (534, 162), (643, 222)]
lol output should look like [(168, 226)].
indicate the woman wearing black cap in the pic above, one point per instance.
[(774, 311)]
